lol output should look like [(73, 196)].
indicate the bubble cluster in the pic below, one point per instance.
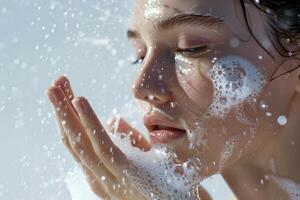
[(242, 117), (290, 186), (235, 79), (158, 174), (228, 150)]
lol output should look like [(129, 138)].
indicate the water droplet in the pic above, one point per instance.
[(282, 120), (268, 114), (172, 104), (263, 105), (150, 97)]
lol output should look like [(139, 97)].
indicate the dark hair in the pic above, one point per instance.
[(283, 26)]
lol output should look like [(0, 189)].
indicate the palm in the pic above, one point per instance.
[(90, 145)]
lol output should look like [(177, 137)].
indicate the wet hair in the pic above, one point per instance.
[(283, 26)]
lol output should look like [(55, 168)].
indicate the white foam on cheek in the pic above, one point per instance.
[(156, 174), (234, 79), (153, 9)]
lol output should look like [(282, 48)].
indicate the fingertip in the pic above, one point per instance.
[(55, 94), (61, 81)]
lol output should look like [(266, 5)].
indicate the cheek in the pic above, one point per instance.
[(194, 82)]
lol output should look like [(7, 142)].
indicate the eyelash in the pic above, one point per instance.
[(189, 52), (194, 52)]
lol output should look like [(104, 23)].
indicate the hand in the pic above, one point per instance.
[(90, 145)]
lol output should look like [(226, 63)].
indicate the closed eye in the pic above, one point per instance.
[(137, 61), (194, 52)]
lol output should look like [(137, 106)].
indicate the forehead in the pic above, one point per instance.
[(151, 11)]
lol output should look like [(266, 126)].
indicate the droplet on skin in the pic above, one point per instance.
[(234, 42), (282, 120), (81, 152), (151, 97), (263, 105), (268, 114), (172, 104)]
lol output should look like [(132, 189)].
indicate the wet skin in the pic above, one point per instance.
[(157, 42)]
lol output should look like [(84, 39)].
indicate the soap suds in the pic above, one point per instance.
[(235, 80), (290, 186), (157, 174)]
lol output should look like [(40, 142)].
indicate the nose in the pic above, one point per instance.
[(151, 84)]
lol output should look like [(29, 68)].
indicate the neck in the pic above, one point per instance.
[(261, 174)]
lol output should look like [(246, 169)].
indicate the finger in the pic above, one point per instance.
[(96, 187), (66, 142), (63, 83), (119, 125), (92, 180), (107, 151), (70, 122), (78, 139)]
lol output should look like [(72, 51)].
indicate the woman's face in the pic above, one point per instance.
[(202, 68)]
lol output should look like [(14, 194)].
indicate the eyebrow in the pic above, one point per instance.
[(204, 21)]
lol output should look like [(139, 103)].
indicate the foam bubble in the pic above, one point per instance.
[(235, 79), (157, 174), (282, 120), (290, 186)]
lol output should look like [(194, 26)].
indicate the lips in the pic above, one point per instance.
[(161, 129)]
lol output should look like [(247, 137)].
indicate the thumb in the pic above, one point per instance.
[(119, 125)]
